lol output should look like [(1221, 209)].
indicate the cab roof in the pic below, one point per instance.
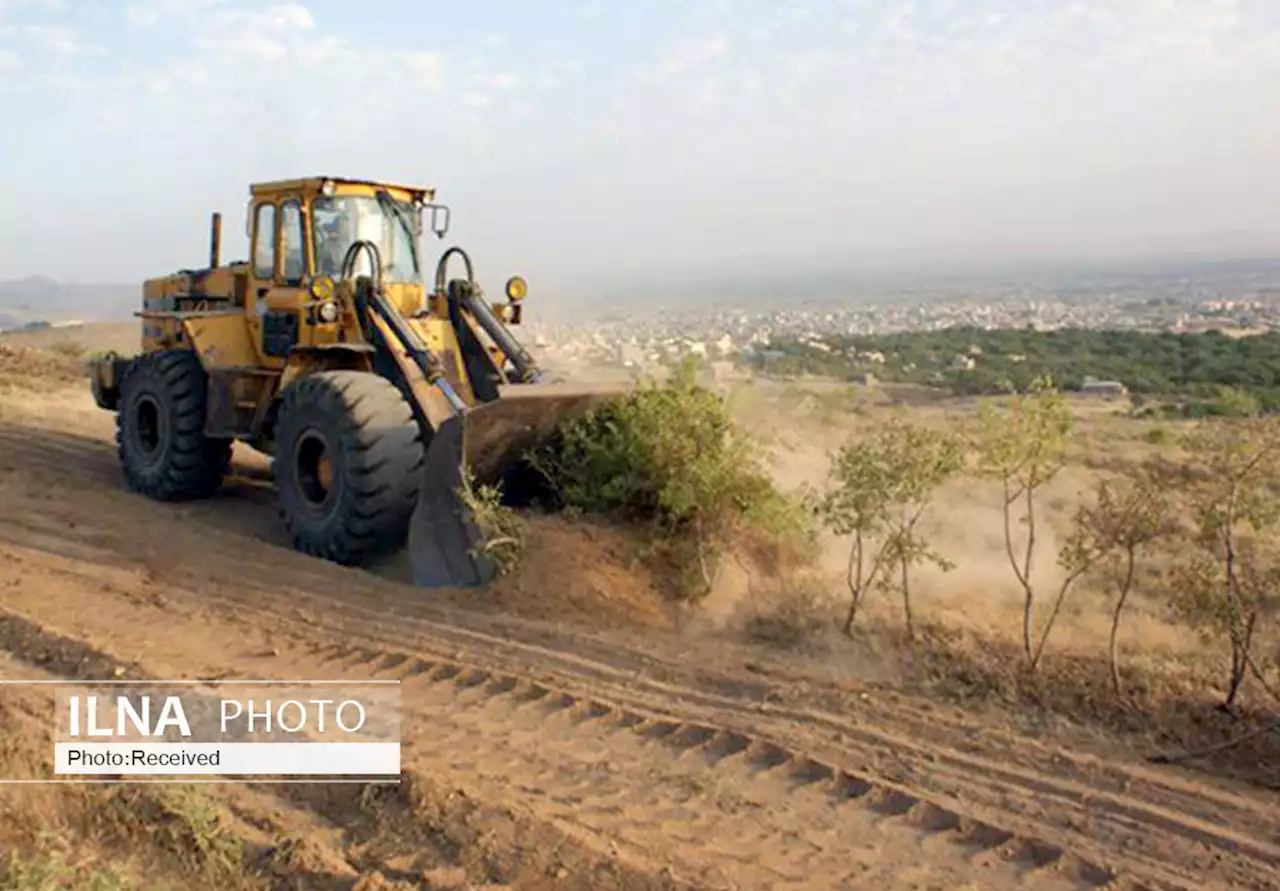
[(313, 184)]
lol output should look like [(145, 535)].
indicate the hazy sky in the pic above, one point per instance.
[(582, 136)]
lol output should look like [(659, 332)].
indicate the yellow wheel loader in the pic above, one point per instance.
[(374, 395)]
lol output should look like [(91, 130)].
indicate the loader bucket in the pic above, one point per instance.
[(446, 548)]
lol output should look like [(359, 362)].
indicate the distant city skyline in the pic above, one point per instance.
[(1157, 281)]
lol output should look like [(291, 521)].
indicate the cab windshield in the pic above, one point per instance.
[(339, 222)]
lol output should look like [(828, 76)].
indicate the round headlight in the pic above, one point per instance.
[(517, 289), (327, 312), (322, 288), (328, 188)]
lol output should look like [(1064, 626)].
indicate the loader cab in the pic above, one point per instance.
[(301, 230), (280, 270)]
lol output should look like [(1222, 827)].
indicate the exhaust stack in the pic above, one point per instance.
[(215, 241)]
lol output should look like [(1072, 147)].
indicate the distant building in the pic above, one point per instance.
[(721, 371), (1103, 389), (630, 354)]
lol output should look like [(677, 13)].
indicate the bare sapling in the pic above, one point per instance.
[(1023, 449), (854, 506), (922, 460)]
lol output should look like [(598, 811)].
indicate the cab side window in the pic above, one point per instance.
[(264, 242), (291, 235)]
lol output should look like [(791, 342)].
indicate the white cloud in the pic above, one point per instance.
[(424, 70), (256, 46), (148, 13), (52, 39), (685, 56), (284, 17), (326, 51), (269, 34), (12, 6), (10, 61)]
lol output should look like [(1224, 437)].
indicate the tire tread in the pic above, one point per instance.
[(382, 451), (197, 464)]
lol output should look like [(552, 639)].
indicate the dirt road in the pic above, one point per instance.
[(641, 759)]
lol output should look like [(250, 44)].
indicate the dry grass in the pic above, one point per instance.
[(786, 612), (123, 337), (105, 838), (969, 619), (41, 371)]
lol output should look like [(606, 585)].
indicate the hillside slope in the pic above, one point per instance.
[(587, 748)]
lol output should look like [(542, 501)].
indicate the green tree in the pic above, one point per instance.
[(1127, 517), (1227, 582), (923, 460), (880, 488)]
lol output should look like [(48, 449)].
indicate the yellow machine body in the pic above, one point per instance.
[(335, 282)]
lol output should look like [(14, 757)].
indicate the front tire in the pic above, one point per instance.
[(348, 455), (160, 439)]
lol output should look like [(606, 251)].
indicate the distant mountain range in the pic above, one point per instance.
[(39, 298)]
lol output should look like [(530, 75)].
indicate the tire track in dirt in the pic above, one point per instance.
[(136, 818), (979, 783), (841, 829), (388, 620), (976, 781), (382, 827)]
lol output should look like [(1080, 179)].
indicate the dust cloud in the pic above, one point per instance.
[(965, 525)]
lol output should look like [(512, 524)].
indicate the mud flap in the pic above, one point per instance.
[(446, 548)]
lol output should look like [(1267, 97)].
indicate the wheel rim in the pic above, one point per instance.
[(315, 468), (149, 430)]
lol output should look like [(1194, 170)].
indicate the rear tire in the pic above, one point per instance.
[(348, 456), (160, 439)]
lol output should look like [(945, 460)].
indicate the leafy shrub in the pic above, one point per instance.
[(672, 457), (1158, 435)]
